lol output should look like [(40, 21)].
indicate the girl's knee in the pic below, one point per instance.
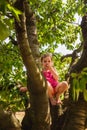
[(50, 90), (65, 85)]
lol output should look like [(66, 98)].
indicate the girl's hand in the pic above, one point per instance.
[(50, 66), (23, 89)]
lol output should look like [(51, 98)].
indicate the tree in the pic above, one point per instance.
[(39, 109), (76, 118), (69, 126), (28, 44)]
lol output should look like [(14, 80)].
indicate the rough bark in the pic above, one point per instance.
[(38, 112), (76, 116), (77, 111), (82, 62), (8, 121), (32, 31)]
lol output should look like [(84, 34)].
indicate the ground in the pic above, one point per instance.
[(20, 115)]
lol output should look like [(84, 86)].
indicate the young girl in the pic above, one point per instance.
[(55, 88)]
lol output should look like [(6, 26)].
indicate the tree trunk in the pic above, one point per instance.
[(38, 113), (32, 31), (8, 121), (77, 111), (76, 116)]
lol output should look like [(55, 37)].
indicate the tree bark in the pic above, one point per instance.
[(39, 113), (77, 111), (8, 121), (32, 31), (76, 116)]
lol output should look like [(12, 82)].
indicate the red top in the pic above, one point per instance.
[(49, 77)]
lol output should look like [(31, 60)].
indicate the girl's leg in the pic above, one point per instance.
[(50, 92), (61, 88)]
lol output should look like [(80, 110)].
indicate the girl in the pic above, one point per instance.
[(54, 89)]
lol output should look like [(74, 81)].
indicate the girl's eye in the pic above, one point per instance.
[(46, 61)]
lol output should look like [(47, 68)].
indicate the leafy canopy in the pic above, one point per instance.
[(56, 24)]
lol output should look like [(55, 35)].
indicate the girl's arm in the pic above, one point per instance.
[(54, 73)]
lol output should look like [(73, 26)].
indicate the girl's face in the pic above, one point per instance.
[(47, 62)]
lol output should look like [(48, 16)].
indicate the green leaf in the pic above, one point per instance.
[(76, 89), (77, 94), (85, 69), (73, 89), (4, 31), (83, 82), (3, 4), (85, 94), (14, 11), (73, 75)]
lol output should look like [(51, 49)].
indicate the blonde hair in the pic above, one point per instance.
[(46, 55)]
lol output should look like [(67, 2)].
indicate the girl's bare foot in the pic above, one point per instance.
[(59, 101), (53, 101)]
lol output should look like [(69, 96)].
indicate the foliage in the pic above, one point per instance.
[(5, 33), (12, 76), (56, 24), (7, 11), (79, 84)]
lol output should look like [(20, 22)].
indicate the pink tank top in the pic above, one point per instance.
[(49, 77)]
